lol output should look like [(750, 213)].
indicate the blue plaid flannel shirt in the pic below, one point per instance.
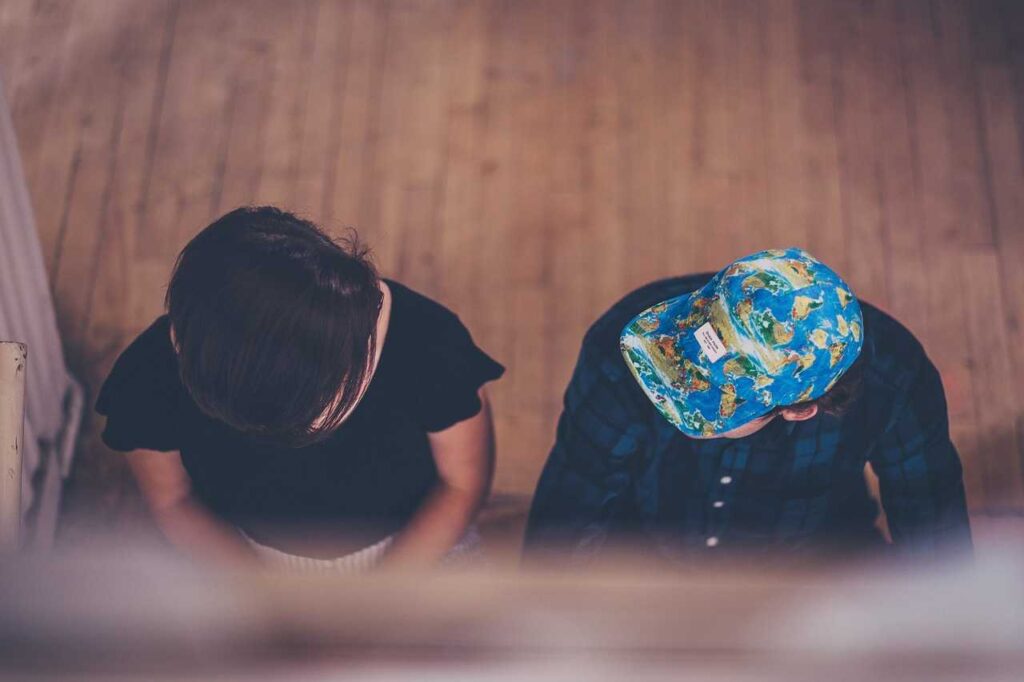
[(619, 469)]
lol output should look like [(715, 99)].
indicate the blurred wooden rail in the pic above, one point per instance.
[(13, 359), (726, 621)]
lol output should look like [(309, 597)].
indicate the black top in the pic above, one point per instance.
[(368, 478)]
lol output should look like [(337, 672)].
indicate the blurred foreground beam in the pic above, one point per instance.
[(13, 358), (128, 614)]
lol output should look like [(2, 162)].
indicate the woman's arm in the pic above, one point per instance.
[(464, 455), (189, 525)]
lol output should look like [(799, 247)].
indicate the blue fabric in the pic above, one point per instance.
[(774, 328), (618, 467)]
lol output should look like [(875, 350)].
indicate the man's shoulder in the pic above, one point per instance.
[(893, 356)]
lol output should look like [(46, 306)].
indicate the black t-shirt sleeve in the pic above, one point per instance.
[(141, 396), (448, 368)]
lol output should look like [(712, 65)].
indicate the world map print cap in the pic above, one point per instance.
[(774, 328)]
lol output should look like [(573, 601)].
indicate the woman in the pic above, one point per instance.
[(294, 407)]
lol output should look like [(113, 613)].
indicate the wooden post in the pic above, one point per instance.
[(13, 357)]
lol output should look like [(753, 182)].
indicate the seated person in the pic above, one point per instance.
[(293, 407), (738, 411)]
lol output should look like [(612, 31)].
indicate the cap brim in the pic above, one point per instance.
[(679, 379), (667, 377)]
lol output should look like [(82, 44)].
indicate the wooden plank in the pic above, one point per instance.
[(583, 141), (13, 357), (189, 142), (325, 87), (515, 258), (38, 48), (995, 406), (640, 154), (51, 142), (238, 175), (287, 30), (1012, 18), (781, 90), (461, 233), (15, 19), (952, 23), (466, 231), (381, 199), (943, 236), (412, 158), (997, 97), (605, 235), (98, 112), (138, 72), (821, 205), (677, 82), (999, 121), (710, 151), (895, 141), (856, 73), (353, 199), (102, 486), (750, 122), (585, 202)]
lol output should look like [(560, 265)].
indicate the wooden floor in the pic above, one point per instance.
[(528, 162)]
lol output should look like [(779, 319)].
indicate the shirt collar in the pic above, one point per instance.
[(777, 431)]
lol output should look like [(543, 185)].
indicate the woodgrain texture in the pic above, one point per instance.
[(528, 162)]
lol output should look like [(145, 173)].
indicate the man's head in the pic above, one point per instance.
[(274, 324), (773, 334)]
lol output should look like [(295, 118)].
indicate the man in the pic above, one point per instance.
[(738, 412)]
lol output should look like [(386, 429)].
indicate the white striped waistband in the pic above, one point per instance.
[(356, 562)]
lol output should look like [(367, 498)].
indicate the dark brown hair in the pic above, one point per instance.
[(841, 397), (274, 323)]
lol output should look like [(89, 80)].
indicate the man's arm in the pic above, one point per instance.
[(920, 474), (585, 490)]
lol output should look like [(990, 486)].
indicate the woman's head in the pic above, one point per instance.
[(274, 324)]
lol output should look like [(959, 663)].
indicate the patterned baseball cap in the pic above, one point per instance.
[(774, 328)]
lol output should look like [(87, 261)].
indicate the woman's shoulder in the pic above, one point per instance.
[(143, 394), (156, 337), (435, 359), (151, 345), (149, 359), (408, 303), (421, 321)]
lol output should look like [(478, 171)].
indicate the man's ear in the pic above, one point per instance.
[(799, 413)]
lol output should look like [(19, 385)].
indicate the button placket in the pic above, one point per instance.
[(718, 501)]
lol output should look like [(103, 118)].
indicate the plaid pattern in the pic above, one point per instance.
[(618, 466)]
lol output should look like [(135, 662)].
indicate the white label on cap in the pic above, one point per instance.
[(709, 341)]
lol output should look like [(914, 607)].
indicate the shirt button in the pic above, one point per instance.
[(711, 541), (718, 504), (726, 480)]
